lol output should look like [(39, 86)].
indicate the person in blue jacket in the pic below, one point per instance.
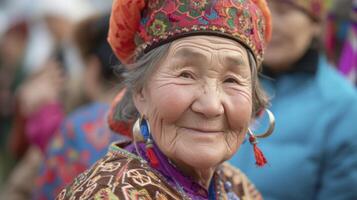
[(313, 151)]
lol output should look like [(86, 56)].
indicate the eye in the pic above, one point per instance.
[(187, 75), (231, 80)]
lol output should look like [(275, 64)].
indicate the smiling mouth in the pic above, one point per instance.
[(202, 131)]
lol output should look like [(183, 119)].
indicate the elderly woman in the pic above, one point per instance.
[(192, 88)]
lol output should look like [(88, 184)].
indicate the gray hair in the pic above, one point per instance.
[(135, 79), (141, 70)]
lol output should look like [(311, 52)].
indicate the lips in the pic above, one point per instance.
[(202, 130)]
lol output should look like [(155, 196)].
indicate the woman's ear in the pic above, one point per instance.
[(140, 101)]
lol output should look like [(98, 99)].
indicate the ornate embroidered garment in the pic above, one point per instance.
[(122, 174)]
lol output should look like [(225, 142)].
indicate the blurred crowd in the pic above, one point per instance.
[(58, 77), (54, 59)]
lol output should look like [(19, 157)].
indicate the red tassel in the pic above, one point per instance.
[(260, 159), (154, 162)]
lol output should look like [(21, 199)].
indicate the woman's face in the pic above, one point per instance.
[(293, 31), (198, 101)]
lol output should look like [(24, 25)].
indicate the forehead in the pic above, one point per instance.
[(196, 47), (208, 43)]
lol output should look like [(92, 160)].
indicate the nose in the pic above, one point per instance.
[(209, 102)]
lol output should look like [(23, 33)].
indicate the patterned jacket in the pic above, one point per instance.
[(123, 175)]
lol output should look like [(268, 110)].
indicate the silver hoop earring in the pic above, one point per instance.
[(260, 159), (142, 133), (270, 130)]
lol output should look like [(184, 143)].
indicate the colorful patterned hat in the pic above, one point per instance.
[(138, 26), (316, 9)]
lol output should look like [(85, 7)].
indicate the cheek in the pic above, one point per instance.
[(172, 101), (239, 110), (167, 104)]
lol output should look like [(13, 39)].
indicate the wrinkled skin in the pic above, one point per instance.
[(198, 103)]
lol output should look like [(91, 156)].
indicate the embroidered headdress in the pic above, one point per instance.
[(137, 26)]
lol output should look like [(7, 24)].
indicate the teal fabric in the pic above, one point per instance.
[(313, 152)]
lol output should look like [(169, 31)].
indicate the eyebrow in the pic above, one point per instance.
[(234, 60), (189, 53)]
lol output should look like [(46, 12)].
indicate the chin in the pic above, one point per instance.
[(202, 157)]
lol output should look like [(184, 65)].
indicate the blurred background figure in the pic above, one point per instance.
[(341, 37), (51, 76), (348, 60), (312, 152), (53, 84), (13, 41), (85, 135), (337, 24), (41, 80)]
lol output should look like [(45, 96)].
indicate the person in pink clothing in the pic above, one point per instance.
[(83, 136)]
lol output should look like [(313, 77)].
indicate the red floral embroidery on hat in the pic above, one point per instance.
[(138, 26)]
